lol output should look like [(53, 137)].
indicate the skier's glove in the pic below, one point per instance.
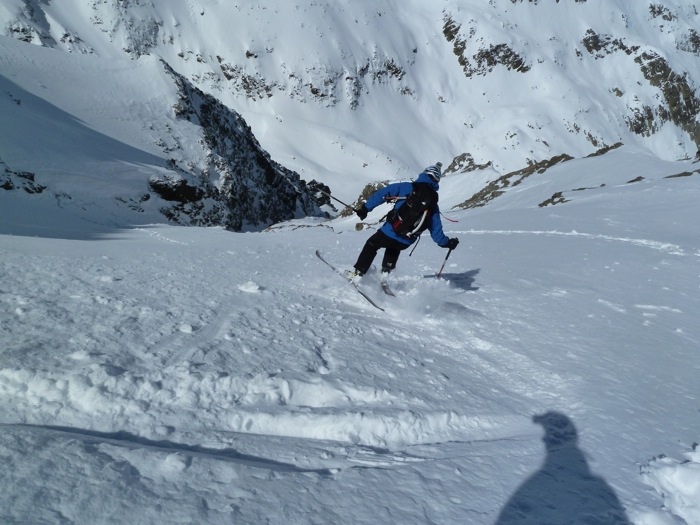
[(452, 243), (362, 212)]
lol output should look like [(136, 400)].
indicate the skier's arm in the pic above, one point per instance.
[(398, 189), (435, 228)]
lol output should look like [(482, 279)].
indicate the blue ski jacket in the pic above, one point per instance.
[(403, 189)]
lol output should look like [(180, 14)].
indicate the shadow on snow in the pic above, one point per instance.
[(132, 441), (463, 281), (564, 490), (50, 143)]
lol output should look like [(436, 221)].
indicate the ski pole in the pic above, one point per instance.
[(317, 189), (443, 264), (335, 199)]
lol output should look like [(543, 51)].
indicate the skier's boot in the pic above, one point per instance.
[(353, 276)]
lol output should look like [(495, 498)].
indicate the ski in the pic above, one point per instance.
[(354, 284), (387, 290)]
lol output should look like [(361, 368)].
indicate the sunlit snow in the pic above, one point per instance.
[(153, 373)]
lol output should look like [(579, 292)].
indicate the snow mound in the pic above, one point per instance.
[(678, 483)]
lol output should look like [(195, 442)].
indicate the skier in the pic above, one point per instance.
[(415, 210)]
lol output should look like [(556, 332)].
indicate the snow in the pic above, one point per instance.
[(164, 374), (566, 102), (678, 482), (151, 373)]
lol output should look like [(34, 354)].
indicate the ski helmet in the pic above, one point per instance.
[(434, 172)]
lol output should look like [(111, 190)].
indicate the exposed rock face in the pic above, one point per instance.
[(680, 104), (465, 163), (486, 57), (497, 187), (18, 180), (237, 185)]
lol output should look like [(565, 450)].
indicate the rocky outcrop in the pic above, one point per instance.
[(680, 104), (498, 187), (19, 180), (236, 184), (485, 57)]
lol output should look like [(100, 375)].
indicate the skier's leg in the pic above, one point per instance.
[(391, 254), (369, 252)]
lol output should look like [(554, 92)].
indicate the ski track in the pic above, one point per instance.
[(670, 248), (298, 404), (193, 384)]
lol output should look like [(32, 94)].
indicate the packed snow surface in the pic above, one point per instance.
[(164, 374)]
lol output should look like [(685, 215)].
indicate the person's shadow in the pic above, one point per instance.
[(463, 281), (564, 490)]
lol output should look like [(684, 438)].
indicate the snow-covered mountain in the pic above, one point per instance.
[(349, 93), (156, 373), (118, 142)]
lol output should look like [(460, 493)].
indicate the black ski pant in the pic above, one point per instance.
[(392, 250)]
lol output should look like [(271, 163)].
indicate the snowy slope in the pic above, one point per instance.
[(119, 142), (151, 373), (179, 375)]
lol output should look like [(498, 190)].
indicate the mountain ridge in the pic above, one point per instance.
[(123, 144)]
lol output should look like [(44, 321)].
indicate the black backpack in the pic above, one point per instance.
[(413, 216)]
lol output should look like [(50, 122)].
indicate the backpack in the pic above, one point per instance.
[(411, 218)]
